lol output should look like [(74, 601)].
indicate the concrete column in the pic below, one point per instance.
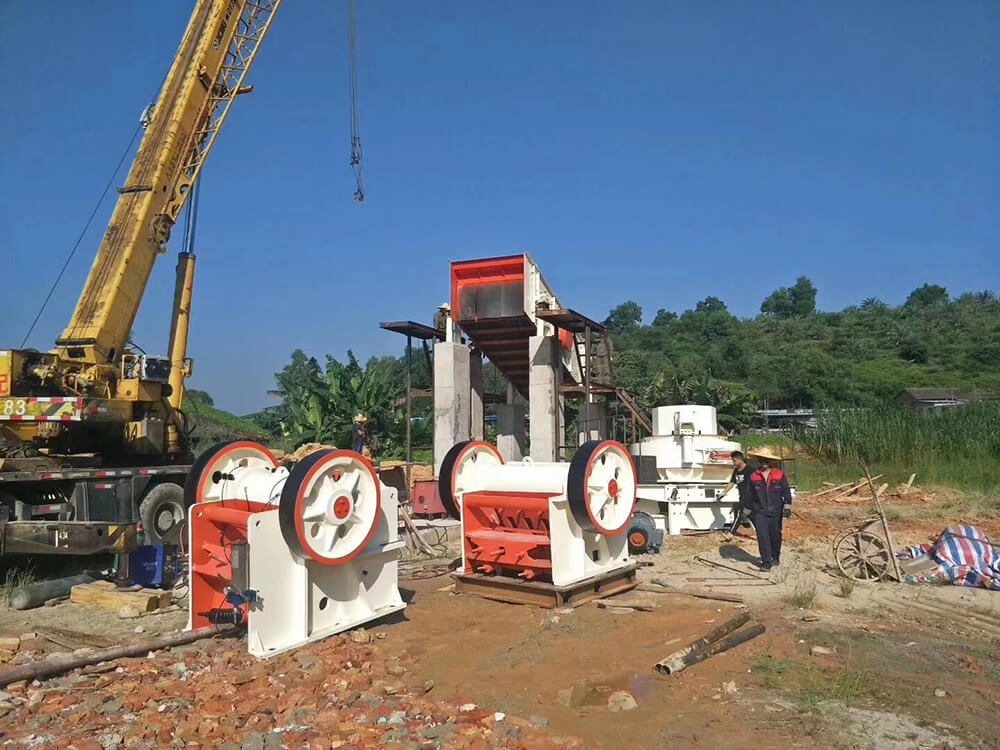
[(510, 431), (451, 398), (544, 399), (476, 415), (593, 422)]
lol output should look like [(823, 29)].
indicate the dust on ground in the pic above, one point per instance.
[(904, 666)]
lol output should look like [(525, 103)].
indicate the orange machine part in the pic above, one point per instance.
[(215, 527), (507, 533)]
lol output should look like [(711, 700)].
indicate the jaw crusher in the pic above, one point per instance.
[(557, 523), (296, 554)]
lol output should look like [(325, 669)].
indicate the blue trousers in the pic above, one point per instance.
[(768, 530)]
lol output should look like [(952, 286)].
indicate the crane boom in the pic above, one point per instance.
[(208, 72)]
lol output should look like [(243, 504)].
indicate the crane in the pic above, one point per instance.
[(92, 431)]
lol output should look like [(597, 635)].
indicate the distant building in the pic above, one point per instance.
[(786, 418), (937, 398)]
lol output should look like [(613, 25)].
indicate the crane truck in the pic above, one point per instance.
[(93, 439)]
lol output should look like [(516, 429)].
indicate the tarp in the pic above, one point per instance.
[(962, 555)]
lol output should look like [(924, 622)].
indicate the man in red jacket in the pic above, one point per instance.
[(770, 502)]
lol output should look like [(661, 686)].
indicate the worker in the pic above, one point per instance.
[(441, 317), (740, 479), (359, 435), (770, 502)]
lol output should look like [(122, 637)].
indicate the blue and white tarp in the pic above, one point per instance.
[(962, 555)]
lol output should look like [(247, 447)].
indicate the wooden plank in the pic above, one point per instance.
[(541, 594), (909, 484), (104, 595), (697, 593), (835, 488), (73, 639)]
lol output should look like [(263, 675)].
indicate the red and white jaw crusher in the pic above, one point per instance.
[(296, 554), (554, 522)]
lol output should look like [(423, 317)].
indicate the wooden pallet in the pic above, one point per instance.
[(539, 594), (104, 595)]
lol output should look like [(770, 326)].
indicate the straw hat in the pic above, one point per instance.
[(765, 451), (361, 418)]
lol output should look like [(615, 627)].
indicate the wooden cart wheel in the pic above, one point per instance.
[(863, 556), (850, 531)]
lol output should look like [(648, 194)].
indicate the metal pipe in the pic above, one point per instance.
[(409, 412), (711, 636), (682, 663)]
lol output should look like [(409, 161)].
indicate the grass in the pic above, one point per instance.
[(847, 686), (846, 587), (958, 447), (15, 578), (804, 596), (769, 669)]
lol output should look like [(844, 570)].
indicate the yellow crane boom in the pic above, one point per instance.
[(91, 395), (208, 72)]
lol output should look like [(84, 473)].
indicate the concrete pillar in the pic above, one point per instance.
[(477, 424), (510, 431), (451, 398), (544, 399), (593, 422)]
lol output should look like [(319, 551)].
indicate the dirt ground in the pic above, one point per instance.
[(907, 666)]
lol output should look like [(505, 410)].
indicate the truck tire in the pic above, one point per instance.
[(641, 533), (162, 513)]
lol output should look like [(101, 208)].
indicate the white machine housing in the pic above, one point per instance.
[(588, 504), (322, 557), (693, 464)]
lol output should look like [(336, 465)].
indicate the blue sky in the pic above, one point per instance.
[(655, 151)]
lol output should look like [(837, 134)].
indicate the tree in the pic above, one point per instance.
[(664, 318), (711, 304), (929, 295), (803, 297), (627, 316), (798, 300), (874, 304)]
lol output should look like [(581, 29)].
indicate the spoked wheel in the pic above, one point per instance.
[(213, 476), (601, 487), (462, 459), (330, 506), (863, 556)]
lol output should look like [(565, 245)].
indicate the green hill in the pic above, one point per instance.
[(210, 425), (793, 355)]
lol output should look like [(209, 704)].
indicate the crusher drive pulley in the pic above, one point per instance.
[(295, 554)]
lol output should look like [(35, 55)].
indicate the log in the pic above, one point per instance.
[(716, 648), (697, 593), (104, 595), (909, 483), (36, 594), (610, 603), (40, 670)]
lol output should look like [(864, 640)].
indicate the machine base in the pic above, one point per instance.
[(547, 595)]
